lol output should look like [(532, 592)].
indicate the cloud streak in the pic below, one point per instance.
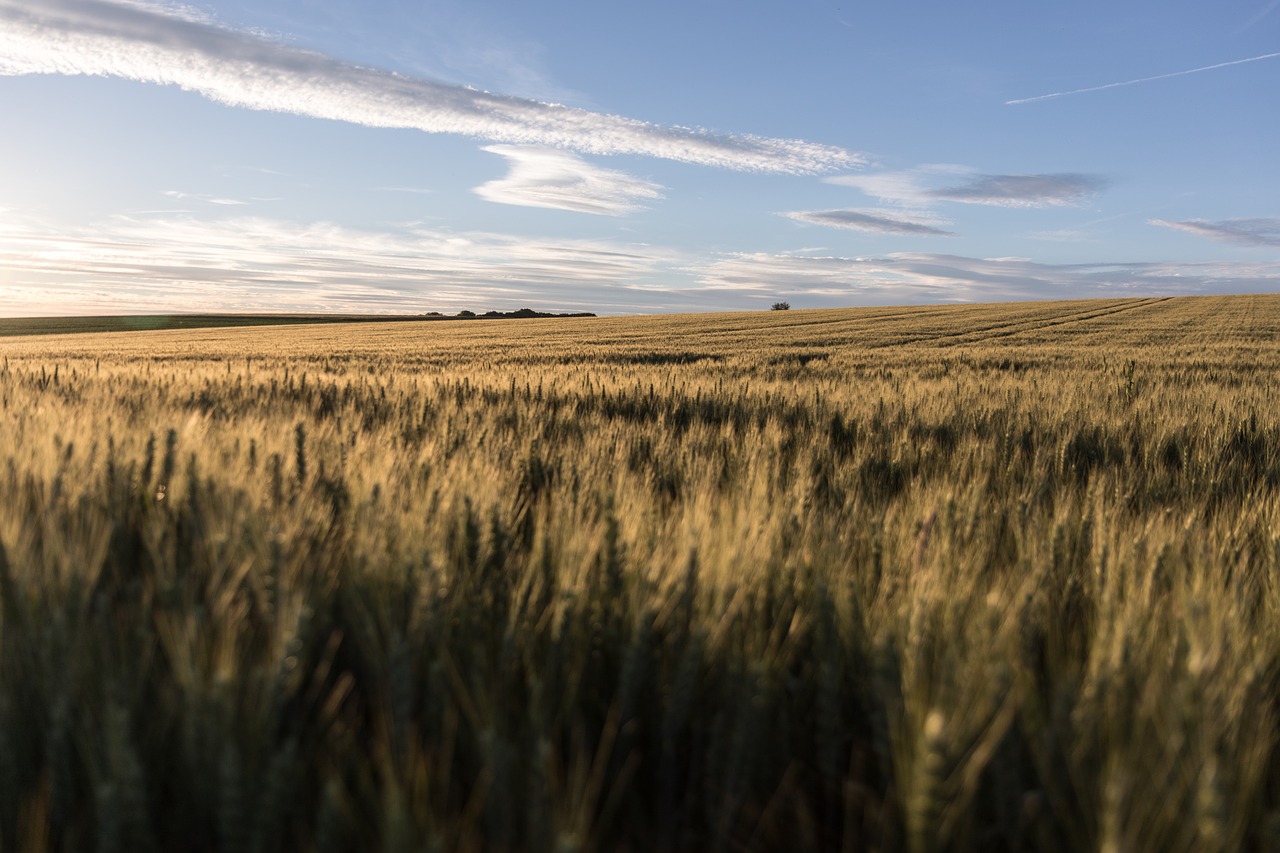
[(1258, 16), (547, 177), (924, 186), (157, 45), (127, 265), (1021, 190), (178, 195), (927, 278), (873, 221), (1216, 66), (914, 193), (909, 187), (1240, 232)]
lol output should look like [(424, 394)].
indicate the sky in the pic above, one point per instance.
[(407, 156)]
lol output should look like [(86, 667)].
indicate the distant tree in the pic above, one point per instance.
[(781, 306), (433, 314), (466, 315)]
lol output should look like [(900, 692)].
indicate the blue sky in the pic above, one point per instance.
[(415, 155)]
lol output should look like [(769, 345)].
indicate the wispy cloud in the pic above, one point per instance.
[(478, 47), (160, 45), (907, 187), (1258, 16), (915, 193), (916, 278), (923, 186), (172, 264), (127, 265), (1021, 190), (1118, 85), (546, 177), (901, 223), (178, 195), (1241, 232), (1065, 235)]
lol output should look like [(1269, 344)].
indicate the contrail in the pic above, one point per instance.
[(1140, 80), (1270, 7)]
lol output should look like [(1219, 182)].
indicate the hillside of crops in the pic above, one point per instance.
[(997, 577)]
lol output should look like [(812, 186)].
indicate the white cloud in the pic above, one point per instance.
[(1241, 232), (547, 177), (924, 186), (908, 187), (900, 223), (178, 195), (254, 264), (915, 193), (126, 265), (1065, 235), (158, 45), (1021, 190), (911, 277)]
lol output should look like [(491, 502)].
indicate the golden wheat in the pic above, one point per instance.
[(996, 577)]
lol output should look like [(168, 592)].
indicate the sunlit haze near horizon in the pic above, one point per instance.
[(401, 156)]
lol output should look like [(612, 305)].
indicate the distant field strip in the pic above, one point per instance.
[(854, 333), (154, 322), (847, 335)]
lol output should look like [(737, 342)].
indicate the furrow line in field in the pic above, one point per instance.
[(1086, 317), (995, 328)]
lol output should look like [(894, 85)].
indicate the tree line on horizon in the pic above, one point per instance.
[(518, 314)]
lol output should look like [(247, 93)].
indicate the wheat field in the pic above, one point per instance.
[(997, 577)]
